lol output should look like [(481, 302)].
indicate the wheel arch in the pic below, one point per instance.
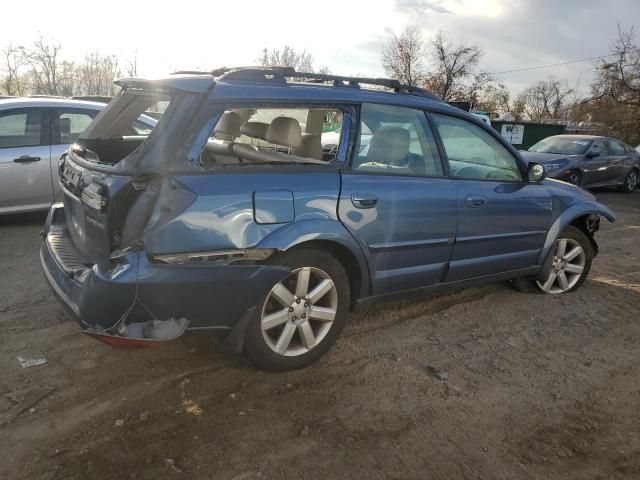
[(327, 235), (581, 215)]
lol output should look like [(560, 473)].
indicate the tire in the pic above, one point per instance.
[(574, 269), (282, 337), (630, 181), (575, 178)]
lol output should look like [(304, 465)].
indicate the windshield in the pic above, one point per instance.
[(561, 145)]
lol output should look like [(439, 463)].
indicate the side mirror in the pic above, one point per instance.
[(592, 154), (536, 172)]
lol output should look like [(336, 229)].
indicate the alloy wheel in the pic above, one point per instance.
[(574, 178), (299, 311), (632, 180), (568, 265)]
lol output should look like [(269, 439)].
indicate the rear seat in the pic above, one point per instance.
[(226, 131), (255, 130), (283, 131)]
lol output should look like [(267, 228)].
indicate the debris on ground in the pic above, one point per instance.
[(119, 422), (24, 399), (439, 374), (144, 416), (171, 463), (31, 362)]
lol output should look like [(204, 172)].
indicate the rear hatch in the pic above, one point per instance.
[(112, 176)]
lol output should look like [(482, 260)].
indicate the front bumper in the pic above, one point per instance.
[(104, 297)]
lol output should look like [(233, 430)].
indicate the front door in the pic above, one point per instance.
[(25, 175), (396, 200), (503, 220)]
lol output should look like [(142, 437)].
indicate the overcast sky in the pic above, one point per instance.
[(345, 35)]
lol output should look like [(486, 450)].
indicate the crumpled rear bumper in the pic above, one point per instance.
[(104, 296)]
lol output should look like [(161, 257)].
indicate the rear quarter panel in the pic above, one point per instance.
[(223, 216)]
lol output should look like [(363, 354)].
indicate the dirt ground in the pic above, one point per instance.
[(486, 383)]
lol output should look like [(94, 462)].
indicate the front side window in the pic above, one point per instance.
[(473, 153), (599, 148), (396, 141), (20, 128)]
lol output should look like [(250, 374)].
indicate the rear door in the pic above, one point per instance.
[(621, 160), (397, 201), (25, 174), (503, 220), (597, 163)]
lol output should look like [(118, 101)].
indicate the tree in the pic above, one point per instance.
[(45, 67), (287, 57), (97, 73), (494, 99), (546, 100), (14, 82), (615, 97), (402, 56), (454, 74)]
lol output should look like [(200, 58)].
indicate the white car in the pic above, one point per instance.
[(34, 133)]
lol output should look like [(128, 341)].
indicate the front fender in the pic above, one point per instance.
[(576, 210), (313, 230)]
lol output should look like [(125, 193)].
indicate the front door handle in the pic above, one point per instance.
[(476, 201), (26, 159), (363, 200)]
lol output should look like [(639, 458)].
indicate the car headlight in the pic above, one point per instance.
[(554, 166)]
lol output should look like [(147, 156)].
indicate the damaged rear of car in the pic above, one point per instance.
[(121, 251)]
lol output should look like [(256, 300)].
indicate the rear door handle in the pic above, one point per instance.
[(363, 200), (26, 159), (476, 201)]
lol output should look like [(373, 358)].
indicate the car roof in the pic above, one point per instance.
[(268, 84), (53, 102), (18, 102)]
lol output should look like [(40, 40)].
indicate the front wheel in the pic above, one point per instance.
[(630, 182), (302, 315), (572, 257), (575, 178)]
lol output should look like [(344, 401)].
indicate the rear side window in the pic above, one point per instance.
[(20, 128), (274, 135), (617, 148), (396, 141), (473, 153)]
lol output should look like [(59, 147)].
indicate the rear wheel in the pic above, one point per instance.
[(572, 257), (630, 182), (302, 315)]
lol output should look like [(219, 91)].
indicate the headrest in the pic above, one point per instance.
[(65, 126), (311, 146), (389, 144), (255, 130), (228, 126), (285, 131)]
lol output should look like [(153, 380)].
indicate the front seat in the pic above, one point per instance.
[(283, 131), (388, 148)]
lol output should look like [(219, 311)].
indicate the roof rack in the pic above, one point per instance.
[(281, 74)]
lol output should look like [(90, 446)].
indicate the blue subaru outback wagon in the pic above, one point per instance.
[(267, 203)]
